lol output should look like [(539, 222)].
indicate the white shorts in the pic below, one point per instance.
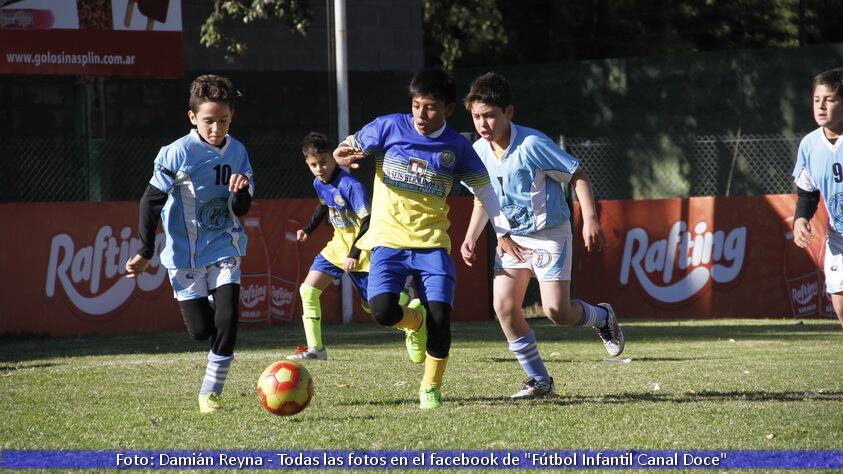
[(194, 283), (833, 263), (550, 259)]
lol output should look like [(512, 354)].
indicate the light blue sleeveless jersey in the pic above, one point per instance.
[(819, 167), (199, 224), (528, 179)]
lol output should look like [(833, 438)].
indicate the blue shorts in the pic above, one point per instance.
[(432, 269), (360, 279)]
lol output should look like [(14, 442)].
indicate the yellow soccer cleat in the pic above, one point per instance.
[(209, 402), (416, 339), (430, 397)]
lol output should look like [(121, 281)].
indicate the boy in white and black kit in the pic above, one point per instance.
[(201, 185), (819, 171)]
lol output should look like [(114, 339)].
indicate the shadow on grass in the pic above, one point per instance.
[(282, 338), (634, 359), (6, 369), (617, 399), (648, 397)]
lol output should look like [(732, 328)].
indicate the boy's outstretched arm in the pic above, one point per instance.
[(151, 203), (592, 234), (806, 206), (475, 228), (489, 199), (346, 155), (315, 219)]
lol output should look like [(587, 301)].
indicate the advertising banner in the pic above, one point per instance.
[(675, 258), (703, 257), (65, 271), (91, 37)]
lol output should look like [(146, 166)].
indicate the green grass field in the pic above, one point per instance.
[(722, 385)]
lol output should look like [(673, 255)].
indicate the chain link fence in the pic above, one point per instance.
[(117, 169), (707, 165)]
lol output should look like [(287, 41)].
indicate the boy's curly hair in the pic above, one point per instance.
[(210, 87)]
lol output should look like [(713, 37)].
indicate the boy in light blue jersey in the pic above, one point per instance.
[(417, 157), (528, 171), (819, 171), (201, 185)]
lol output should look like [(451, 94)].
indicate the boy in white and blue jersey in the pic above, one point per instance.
[(201, 185), (417, 157), (528, 172), (819, 171)]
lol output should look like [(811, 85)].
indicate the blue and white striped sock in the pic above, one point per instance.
[(592, 316), (215, 373), (527, 353)]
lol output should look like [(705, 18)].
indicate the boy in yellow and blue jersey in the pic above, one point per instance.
[(343, 199), (417, 157)]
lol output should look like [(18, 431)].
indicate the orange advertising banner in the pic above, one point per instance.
[(675, 258), (703, 257), (91, 37), (64, 270)]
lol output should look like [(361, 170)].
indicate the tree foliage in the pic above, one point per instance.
[(295, 14), (490, 32), (458, 27)]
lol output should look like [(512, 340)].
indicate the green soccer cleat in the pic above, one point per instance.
[(417, 338), (209, 402), (430, 397), (404, 297)]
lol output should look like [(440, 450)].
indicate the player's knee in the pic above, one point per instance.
[(505, 310), (438, 346), (200, 333), (309, 294), (438, 329), (198, 318), (385, 309)]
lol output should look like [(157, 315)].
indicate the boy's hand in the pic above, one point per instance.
[(592, 235), (346, 156), (507, 245), (802, 234), (300, 235), (467, 251), (238, 182), (350, 264), (135, 266)]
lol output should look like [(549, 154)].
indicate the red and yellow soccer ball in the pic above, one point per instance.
[(285, 388)]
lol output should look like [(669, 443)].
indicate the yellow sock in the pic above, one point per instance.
[(412, 319), (311, 315), (434, 369)]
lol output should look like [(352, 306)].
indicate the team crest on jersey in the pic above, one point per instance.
[(226, 263), (541, 258), (417, 166), (835, 208), (339, 200), (447, 159), (213, 215), (518, 217)]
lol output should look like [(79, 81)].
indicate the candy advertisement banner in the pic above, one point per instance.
[(91, 37)]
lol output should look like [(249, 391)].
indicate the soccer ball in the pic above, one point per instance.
[(285, 388)]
